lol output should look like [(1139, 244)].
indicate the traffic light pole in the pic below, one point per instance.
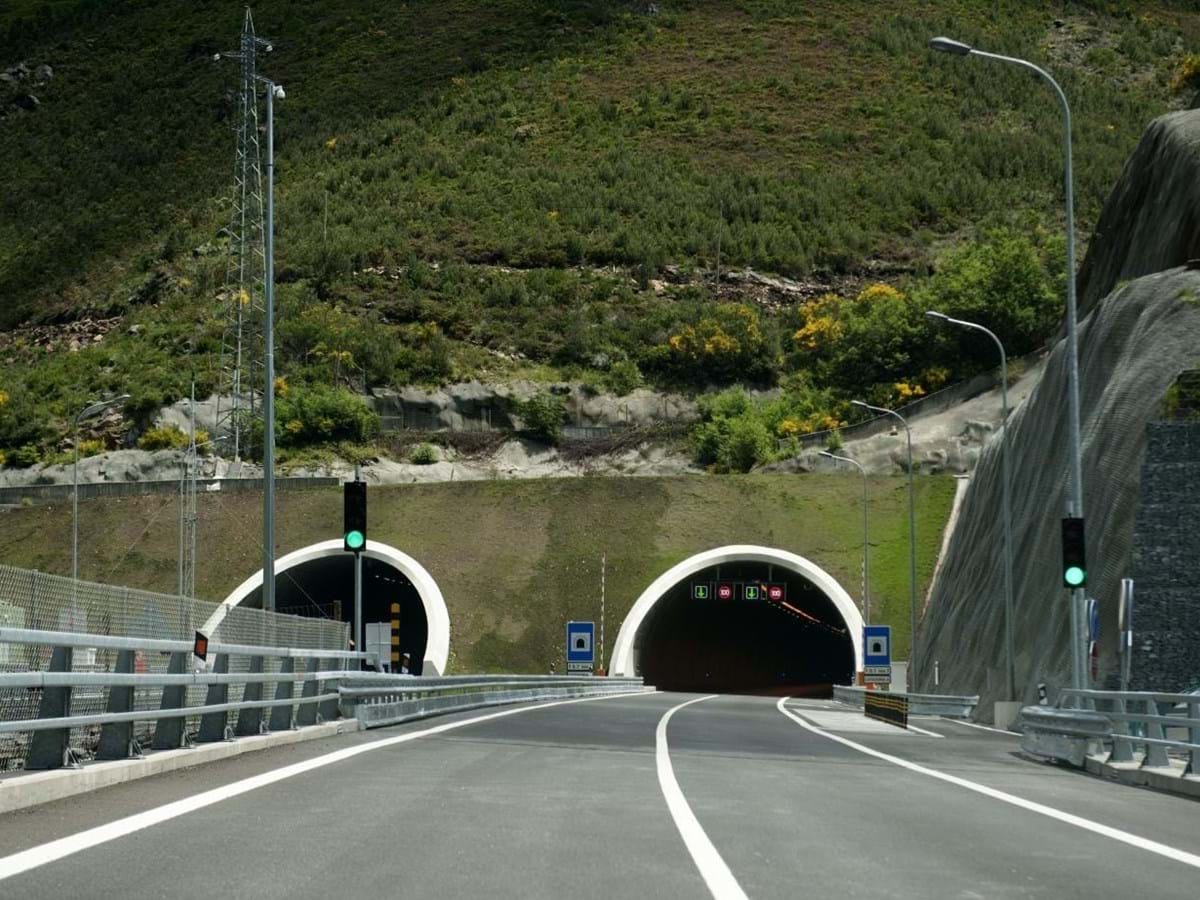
[(359, 629)]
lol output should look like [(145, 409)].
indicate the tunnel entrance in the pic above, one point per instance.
[(745, 627), (325, 587), (318, 580)]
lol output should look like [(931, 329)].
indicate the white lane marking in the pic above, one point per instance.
[(1116, 834), (713, 869), (64, 847), (912, 727), (983, 727)]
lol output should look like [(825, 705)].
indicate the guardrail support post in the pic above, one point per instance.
[(328, 709), (116, 738), (250, 719), (1122, 750), (281, 716), (212, 725), (1193, 767), (307, 713), (1156, 754), (50, 749), (171, 734)]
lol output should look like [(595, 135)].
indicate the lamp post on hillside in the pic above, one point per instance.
[(912, 543), (1075, 507), (866, 580), (274, 91), (87, 412), (1006, 492)]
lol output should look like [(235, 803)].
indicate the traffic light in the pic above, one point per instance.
[(1074, 558), (354, 531)]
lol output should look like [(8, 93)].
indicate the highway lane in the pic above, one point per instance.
[(566, 800)]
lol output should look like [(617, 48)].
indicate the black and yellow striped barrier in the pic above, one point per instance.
[(891, 708)]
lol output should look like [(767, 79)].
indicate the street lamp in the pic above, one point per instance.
[(1075, 507), (1006, 491), (912, 542), (274, 92), (866, 579), (86, 413)]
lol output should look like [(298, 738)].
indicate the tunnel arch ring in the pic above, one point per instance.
[(437, 616), (623, 661)]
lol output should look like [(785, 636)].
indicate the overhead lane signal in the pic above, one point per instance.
[(1074, 554), (354, 516)]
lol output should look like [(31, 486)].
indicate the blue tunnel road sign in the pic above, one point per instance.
[(580, 646), (877, 645)]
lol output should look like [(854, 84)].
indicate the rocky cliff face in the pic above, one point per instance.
[(1132, 346), (1151, 221)]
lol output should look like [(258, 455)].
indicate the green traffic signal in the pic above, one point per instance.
[(1074, 576), (355, 540)]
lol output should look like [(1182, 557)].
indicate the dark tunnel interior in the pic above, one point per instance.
[(324, 587), (745, 628)]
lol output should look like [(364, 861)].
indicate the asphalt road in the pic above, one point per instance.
[(597, 799)]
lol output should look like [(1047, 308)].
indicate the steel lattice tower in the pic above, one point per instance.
[(238, 394)]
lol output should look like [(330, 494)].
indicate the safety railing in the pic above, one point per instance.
[(952, 706), (49, 741), (1157, 726), (377, 700)]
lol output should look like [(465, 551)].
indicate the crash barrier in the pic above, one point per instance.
[(951, 706), (1127, 723), (376, 700), (891, 708), (128, 694)]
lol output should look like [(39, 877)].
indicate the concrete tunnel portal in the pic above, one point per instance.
[(318, 581), (742, 619)]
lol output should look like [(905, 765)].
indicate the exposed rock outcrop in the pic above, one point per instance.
[(1131, 348), (1151, 221)]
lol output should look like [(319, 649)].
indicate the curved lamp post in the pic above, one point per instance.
[(912, 543), (1006, 493), (866, 585), (1075, 507)]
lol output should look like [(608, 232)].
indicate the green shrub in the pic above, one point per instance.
[(423, 455), (318, 414), (834, 442), (164, 437), (25, 456), (623, 377), (732, 435), (543, 416), (91, 447)]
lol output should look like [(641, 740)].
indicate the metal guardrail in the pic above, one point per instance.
[(1123, 720), (377, 700), (49, 746), (952, 706)]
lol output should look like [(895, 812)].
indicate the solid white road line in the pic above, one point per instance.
[(1116, 834), (63, 847), (982, 727), (912, 727), (712, 867)]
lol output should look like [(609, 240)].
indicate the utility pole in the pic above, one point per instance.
[(359, 629), (603, 572)]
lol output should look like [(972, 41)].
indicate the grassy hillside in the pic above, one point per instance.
[(495, 189), (517, 559)]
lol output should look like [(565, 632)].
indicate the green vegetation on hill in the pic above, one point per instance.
[(516, 559), (506, 183)]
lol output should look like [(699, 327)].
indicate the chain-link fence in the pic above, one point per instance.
[(34, 600)]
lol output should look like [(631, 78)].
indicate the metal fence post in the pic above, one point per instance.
[(50, 749), (116, 738), (171, 734), (250, 719), (281, 716)]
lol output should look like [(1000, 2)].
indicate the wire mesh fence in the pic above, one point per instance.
[(35, 600)]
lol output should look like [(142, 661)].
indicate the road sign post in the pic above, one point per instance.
[(581, 648), (877, 654)]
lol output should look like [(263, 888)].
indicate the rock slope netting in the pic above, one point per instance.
[(1131, 348), (1151, 221)]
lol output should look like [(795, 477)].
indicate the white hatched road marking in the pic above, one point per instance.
[(1108, 831)]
